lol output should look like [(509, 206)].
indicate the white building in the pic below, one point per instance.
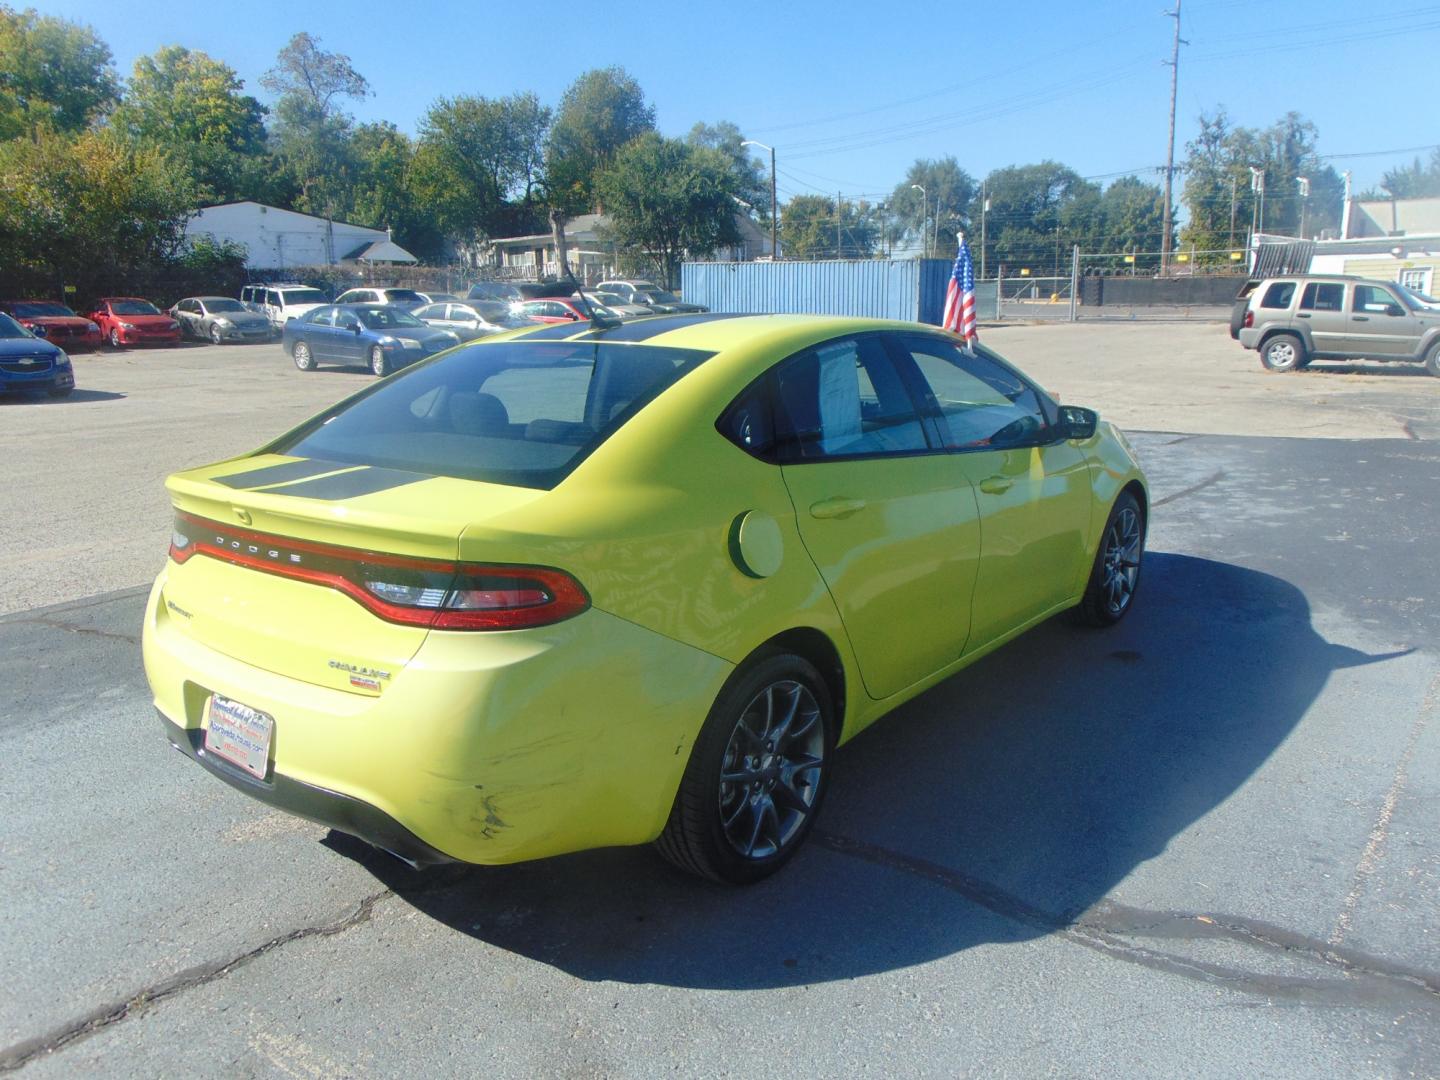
[(275, 239)]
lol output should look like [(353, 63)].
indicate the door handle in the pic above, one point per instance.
[(1360, 318), (1303, 315), (996, 485), (838, 507)]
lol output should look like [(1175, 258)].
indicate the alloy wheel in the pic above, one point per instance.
[(1121, 560), (771, 772)]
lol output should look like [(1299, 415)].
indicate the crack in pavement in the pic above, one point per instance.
[(57, 624), (1106, 925), (1191, 490), (22, 1053)]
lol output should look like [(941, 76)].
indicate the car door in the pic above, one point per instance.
[(316, 329), (1322, 308), (889, 522), (1032, 490), (1380, 325), (348, 337)]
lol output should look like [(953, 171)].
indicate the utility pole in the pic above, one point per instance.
[(839, 252), (1232, 210), (924, 207), (1303, 183), (1345, 213), (1170, 147), (774, 206), (984, 209)]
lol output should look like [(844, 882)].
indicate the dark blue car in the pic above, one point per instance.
[(31, 363), (382, 336)]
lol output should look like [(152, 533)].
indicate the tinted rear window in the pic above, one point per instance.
[(508, 412), (1279, 295)]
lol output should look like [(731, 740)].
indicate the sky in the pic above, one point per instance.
[(850, 93)]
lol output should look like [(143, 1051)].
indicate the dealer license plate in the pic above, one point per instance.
[(239, 734)]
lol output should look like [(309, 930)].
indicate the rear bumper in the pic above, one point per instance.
[(484, 748), (317, 804)]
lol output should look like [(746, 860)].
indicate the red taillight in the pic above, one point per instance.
[(1249, 319), (414, 592)]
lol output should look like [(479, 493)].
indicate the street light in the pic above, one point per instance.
[(1303, 183), (924, 216), (774, 206)]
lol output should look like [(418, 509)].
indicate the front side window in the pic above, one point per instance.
[(1323, 296), (1374, 300), (844, 399), (1279, 295), (386, 318), (980, 401), (346, 320), (508, 412)]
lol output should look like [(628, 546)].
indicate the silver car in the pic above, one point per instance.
[(472, 319), (618, 304), (220, 319)]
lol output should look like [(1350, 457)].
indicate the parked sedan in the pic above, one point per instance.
[(28, 362), (220, 319), (563, 309), (580, 587), (618, 304), (383, 336), (408, 299), (129, 320), (636, 291), (54, 322), (471, 320)]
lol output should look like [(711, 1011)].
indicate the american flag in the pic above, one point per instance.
[(960, 297)]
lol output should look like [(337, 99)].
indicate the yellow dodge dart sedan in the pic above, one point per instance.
[(591, 585)]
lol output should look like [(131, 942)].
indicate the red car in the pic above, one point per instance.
[(128, 320), (54, 322), (561, 309)]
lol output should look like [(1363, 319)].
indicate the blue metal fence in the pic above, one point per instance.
[(912, 290)]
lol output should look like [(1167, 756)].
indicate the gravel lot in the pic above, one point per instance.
[(1203, 843)]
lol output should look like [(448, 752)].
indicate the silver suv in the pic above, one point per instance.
[(1298, 318)]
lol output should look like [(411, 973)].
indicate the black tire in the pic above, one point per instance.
[(1432, 360), (304, 359), (379, 362), (1115, 576), (216, 337), (1283, 352), (699, 838)]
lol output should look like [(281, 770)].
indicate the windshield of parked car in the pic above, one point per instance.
[(386, 318), (133, 307), (1416, 298), (304, 296), (660, 296), (9, 328), (512, 412), (219, 307), (39, 309)]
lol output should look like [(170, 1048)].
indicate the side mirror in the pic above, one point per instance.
[(1394, 309), (1076, 423), (355, 328)]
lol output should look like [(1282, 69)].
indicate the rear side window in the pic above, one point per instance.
[(507, 412), (1279, 295), (1323, 296)]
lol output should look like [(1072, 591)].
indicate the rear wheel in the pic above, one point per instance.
[(756, 775), (1283, 352), (379, 362), (303, 360), (1116, 573), (1432, 360)]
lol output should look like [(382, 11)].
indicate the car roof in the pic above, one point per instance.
[(112, 299)]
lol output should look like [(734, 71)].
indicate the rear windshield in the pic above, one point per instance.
[(515, 412), (39, 309), (403, 296)]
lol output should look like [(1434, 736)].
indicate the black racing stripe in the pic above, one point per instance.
[(651, 326), (347, 485), (557, 332), (279, 474)]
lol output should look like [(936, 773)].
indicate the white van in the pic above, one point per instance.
[(283, 301)]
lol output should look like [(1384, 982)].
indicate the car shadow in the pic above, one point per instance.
[(73, 398), (1389, 369), (996, 807)]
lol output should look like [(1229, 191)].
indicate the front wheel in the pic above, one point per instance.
[(115, 342), (379, 362), (756, 776), (1283, 352), (1116, 573), (1432, 360), (216, 337), (302, 357)]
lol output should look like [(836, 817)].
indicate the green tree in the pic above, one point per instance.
[(1416, 181), (599, 113), (91, 200), (813, 227), (192, 105), (752, 176), (928, 221), (312, 132), (1033, 208), (665, 199), (53, 74), (1129, 216)]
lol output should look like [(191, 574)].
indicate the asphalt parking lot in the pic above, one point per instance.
[(1202, 843)]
